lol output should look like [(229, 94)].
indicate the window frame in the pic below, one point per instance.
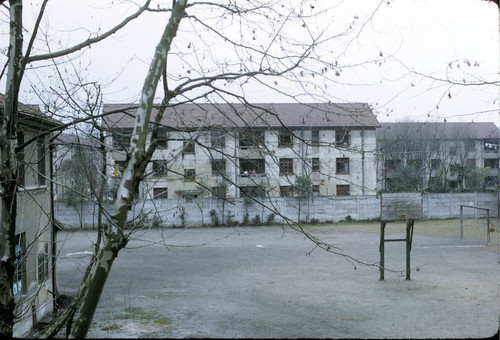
[(315, 164), (218, 167), (121, 139), (160, 193), (493, 161), (251, 138), (285, 166), (343, 190), (188, 147), (342, 137), (19, 278), (160, 168), (342, 165), (42, 264), (189, 177), (285, 138), (286, 191), (315, 137), (217, 139), (162, 141)]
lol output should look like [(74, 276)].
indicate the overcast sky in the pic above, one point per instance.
[(444, 39)]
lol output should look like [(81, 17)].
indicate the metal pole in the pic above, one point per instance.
[(381, 249), (408, 249), (488, 225), (461, 221)]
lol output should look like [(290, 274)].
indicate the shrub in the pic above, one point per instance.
[(270, 218), (230, 221), (215, 218), (256, 220), (156, 222), (246, 219)]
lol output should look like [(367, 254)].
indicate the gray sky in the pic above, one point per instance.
[(446, 39)]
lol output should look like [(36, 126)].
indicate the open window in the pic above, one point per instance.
[(249, 167)]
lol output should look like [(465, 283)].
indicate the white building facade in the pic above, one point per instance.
[(235, 150)]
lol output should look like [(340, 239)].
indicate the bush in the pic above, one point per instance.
[(230, 221), (256, 220), (215, 218), (270, 218), (156, 222), (246, 219)]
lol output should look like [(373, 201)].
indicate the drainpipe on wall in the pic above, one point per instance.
[(236, 163), (302, 150), (54, 229), (362, 162)]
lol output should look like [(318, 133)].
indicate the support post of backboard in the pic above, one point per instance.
[(397, 207), (409, 239), (382, 249), (461, 221)]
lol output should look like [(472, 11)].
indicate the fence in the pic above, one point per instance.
[(322, 209)]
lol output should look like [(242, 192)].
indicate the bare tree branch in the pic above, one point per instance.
[(90, 41)]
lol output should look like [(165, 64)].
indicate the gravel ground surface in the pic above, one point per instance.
[(271, 282)]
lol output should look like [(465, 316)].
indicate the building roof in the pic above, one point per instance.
[(441, 130), (291, 115), (76, 140), (30, 115)]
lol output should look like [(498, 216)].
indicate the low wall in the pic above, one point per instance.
[(323, 209)]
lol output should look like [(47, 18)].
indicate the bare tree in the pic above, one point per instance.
[(274, 43), (19, 56)]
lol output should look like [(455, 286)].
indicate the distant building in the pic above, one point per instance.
[(233, 150), (82, 151), (447, 154), (34, 281)]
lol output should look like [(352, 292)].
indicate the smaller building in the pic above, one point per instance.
[(449, 156), (76, 163), (34, 277)]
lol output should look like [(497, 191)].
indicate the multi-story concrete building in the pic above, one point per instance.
[(230, 150), (446, 154)]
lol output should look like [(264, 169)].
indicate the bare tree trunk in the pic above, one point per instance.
[(8, 171), (116, 239)]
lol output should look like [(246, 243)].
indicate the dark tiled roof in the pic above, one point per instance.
[(448, 130), (291, 115), (30, 115)]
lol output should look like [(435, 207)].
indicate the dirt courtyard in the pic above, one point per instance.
[(271, 282)]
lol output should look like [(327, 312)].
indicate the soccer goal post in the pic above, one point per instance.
[(487, 221)]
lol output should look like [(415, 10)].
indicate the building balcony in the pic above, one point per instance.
[(251, 179)]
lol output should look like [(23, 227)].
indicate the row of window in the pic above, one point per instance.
[(254, 191), (247, 139), (392, 164), (248, 167)]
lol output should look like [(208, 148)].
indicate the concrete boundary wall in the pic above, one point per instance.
[(323, 209)]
